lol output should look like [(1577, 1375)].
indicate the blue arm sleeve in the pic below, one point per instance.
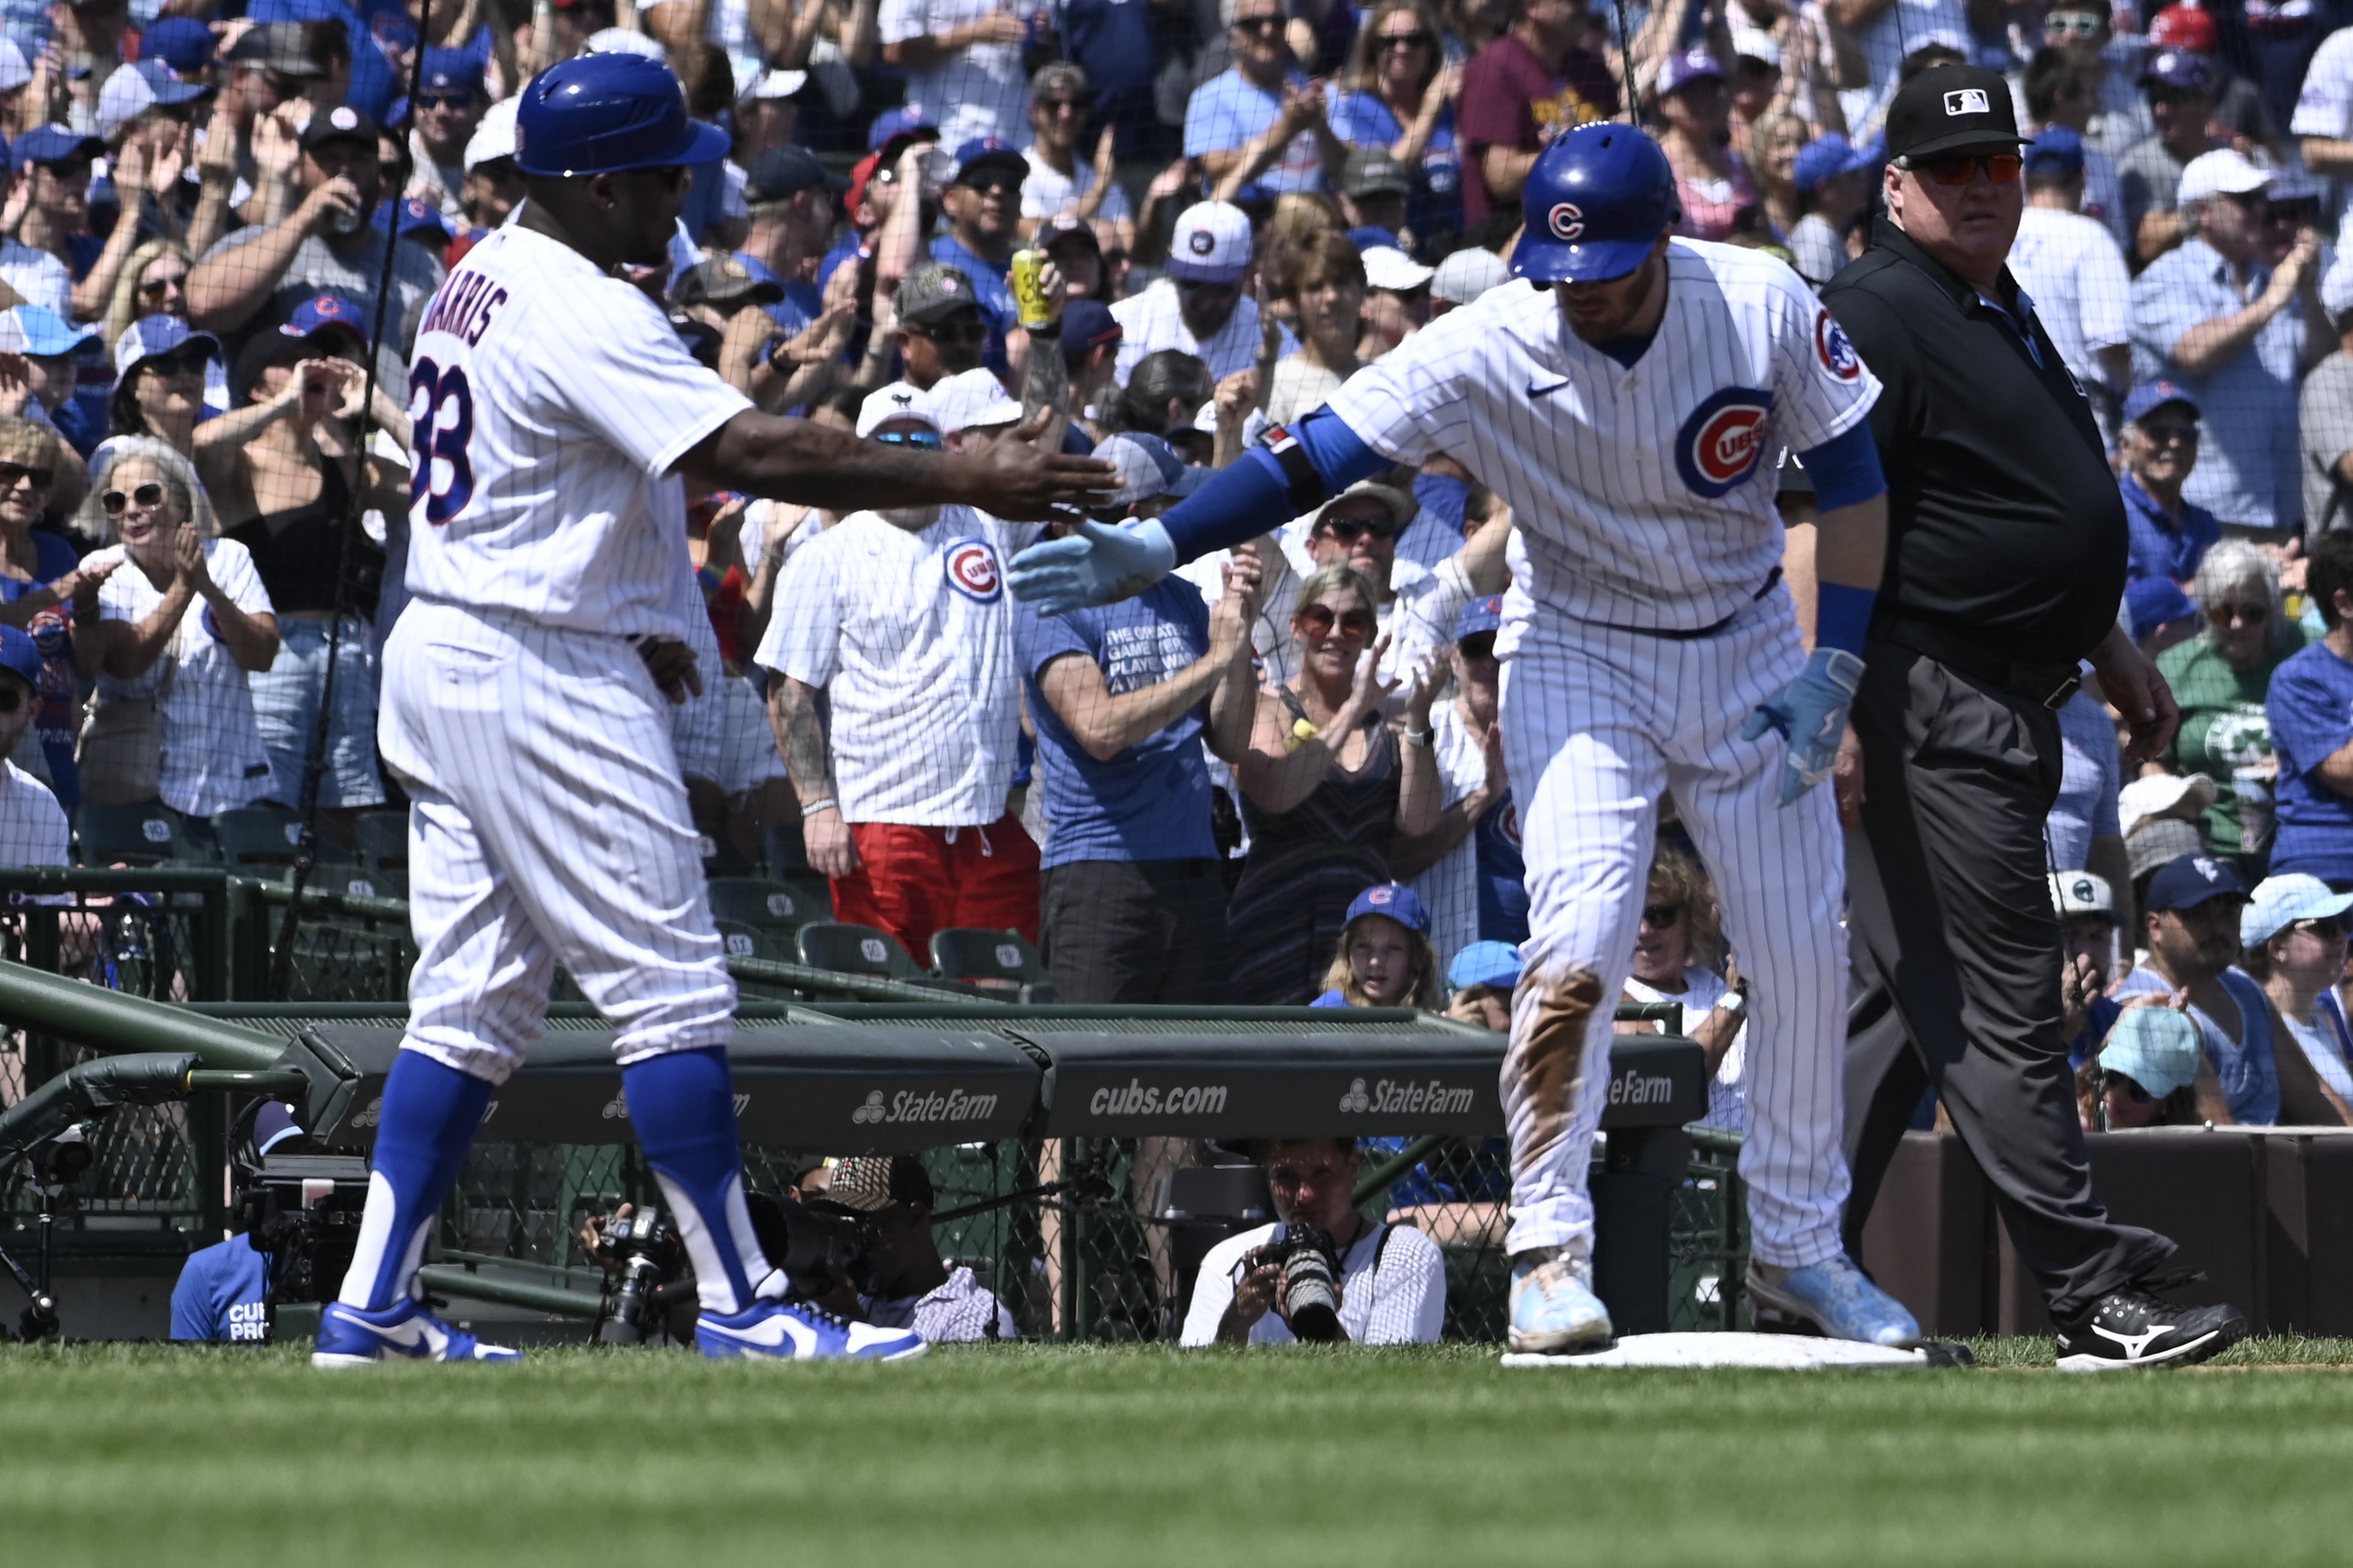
[(1845, 468), (1255, 494)]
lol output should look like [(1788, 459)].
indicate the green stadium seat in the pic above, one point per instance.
[(144, 834), (998, 962), (767, 905), (747, 941), (263, 840), (854, 950)]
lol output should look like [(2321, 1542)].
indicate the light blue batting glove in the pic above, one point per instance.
[(1097, 565), (1811, 714)]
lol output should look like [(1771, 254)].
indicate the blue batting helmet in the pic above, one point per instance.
[(1596, 201), (601, 113)]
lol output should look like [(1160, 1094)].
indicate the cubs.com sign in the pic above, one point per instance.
[(1723, 441)]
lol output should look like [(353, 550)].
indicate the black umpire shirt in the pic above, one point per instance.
[(2005, 524)]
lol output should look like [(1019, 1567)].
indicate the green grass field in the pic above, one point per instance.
[(135, 1455)]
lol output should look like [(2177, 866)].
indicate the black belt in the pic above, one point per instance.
[(1693, 635), (2048, 685)]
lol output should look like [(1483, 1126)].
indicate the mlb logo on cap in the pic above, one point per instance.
[(1968, 101)]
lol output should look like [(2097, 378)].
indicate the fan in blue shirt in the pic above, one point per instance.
[(2310, 705)]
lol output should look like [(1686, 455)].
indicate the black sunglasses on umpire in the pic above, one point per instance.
[(115, 501)]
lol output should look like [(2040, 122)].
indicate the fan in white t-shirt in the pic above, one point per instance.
[(1679, 927)]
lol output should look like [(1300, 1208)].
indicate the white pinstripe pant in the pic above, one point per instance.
[(1604, 722), (549, 826)]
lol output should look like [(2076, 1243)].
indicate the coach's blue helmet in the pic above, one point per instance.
[(1596, 202), (602, 113)]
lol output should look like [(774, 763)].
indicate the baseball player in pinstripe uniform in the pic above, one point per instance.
[(1626, 398), (526, 698)]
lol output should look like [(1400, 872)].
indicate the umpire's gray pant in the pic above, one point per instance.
[(1955, 967)]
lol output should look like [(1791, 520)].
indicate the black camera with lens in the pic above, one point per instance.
[(1311, 1289), (302, 1212), (645, 1261), (811, 1242)]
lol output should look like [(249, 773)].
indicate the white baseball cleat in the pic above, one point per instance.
[(403, 1331), (1554, 1309), (796, 1331)]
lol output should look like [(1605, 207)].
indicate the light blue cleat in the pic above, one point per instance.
[(796, 1331), (1831, 1298), (1554, 1309), (350, 1337)]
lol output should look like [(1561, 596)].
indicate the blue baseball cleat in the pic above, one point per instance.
[(1831, 1298), (1554, 1309), (349, 1336), (796, 1331)]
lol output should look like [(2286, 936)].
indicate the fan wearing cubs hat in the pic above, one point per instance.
[(1384, 957), (1592, 393), (557, 413)]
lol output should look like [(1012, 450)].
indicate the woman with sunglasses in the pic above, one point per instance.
[(1398, 94), (181, 625), (283, 469), (159, 387), (2221, 679), (1327, 788), (1679, 957), (46, 590), (2294, 929)]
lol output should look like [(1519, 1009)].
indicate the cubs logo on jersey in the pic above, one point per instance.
[(1837, 356), (972, 571), (1721, 444)]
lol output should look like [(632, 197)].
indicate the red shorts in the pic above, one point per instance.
[(912, 881)]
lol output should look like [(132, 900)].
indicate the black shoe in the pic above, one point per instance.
[(2130, 1328)]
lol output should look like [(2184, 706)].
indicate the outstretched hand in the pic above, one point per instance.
[(1019, 482), (1095, 564)]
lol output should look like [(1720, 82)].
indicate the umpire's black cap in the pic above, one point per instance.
[(1950, 106)]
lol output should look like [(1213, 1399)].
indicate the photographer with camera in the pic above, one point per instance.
[(905, 1283), (223, 1290), (1322, 1272)]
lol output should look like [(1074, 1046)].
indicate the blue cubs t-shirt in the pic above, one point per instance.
[(2310, 705), (57, 707), (1503, 875), (219, 1296), (1152, 800)]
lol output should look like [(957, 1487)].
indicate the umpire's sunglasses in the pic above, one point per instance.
[(1960, 168)]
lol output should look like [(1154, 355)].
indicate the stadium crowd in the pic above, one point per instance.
[(1277, 776)]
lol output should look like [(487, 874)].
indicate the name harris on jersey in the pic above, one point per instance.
[(463, 306)]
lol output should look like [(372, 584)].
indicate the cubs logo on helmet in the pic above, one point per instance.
[(1723, 442), (1838, 360), (973, 572), (1566, 221)]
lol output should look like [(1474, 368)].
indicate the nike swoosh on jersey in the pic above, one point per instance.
[(1536, 391)]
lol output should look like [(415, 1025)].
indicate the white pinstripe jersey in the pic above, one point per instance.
[(212, 753), (1641, 497), (911, 634), (31, 826), (551, 400)]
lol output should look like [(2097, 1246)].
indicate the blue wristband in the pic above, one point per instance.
[(1842, 617)]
